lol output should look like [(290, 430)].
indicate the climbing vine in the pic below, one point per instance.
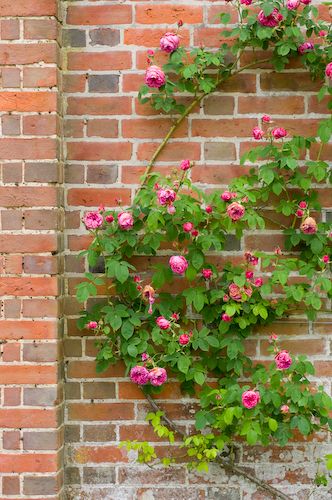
[(177, 308)]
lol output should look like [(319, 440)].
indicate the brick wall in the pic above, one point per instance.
[(30, 396), (108, 136)]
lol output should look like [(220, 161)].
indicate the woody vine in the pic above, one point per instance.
[(186, 317)]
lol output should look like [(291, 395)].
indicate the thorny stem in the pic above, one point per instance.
[(178, 122), (228, 466)]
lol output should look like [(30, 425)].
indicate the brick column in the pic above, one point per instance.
[(30, 403)]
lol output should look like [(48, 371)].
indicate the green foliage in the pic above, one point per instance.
[(211, 318)]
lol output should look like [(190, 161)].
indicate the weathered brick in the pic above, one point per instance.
[(103, 83), (104, 36), (40, 440), (9, 29), (39, 485), (98, 390), (11, 440), (10, 77), (98, 432), (40, 396), (11, 125), (99, 475), (102, 174), (10, 485), (40, 352), (74, 38)]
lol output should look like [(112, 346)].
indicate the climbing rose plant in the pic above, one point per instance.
[(176, 306)]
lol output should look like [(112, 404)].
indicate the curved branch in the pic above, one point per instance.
[(186, 112), (228, 466)]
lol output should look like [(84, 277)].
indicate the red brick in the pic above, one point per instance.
[(99, 454), (100, 411), (148, 37), (9, 29), (88, 197), (99, 106), (174, 151), (99, 14), (11, 352), (28, 462), (28, 418), (28, 8), (28, 101), (39, 77), (210, 37), (28, 196), (235, 127), (25, 329), (99, 60), (28, 54), (11, 440), (29, 286), (12, 396), (151, 129), (102, 128), (168, 14), (87, 369), (40, 125), (25, 374), (10, 485), (279, 105), (40, 308), (34, 243), (39, 29), (27, 149), (99, 150), (288, 83), (301, 346)]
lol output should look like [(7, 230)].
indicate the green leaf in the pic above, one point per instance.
[(127, 330), (121, 273), (197, 259), (199, 378), (132, 350), (252, 437), (273, 424), (183, 364)]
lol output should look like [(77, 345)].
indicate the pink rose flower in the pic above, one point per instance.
[(166, 196), (194, 233), (139, 375), (326, 259), (169, 42), (171, 209), (92, 220), (328, 71), (125, 220), (188, 226), (309, 226), (249, 275), (150, 52), (305, 47), (257, 133), (277, 251), (246, 2), (303, 204), (109, 218), (163, 323), (226, 196), (208, 209), (272, 20), (145, 356), (273, 338), (322, 33), (225, 298), (251, 258), (284, 409), (283, 360), (235, 292), (299, 213), (155, 77), (250, 399), (207, 273), (258, 282), (266, 118), (293, 4), (235, 211), (92, 325), (225, 317), (185, 165), (176, 316), (279, 132), (157, 376), (184, 339), (178, 264), (306, 2)]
